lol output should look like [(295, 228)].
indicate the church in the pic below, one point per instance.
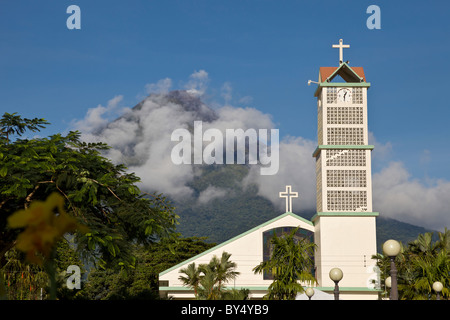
[(344, 227)]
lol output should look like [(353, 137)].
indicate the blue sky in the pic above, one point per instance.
[(264, 50)]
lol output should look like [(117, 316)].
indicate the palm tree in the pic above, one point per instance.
[(423, 244), (291, 262), (192, 278), (430, 269), (421, 263), (223, 269), (431, 261), (208, 279), (208, 288)]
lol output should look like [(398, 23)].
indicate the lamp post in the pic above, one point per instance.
[(336, 275), (437, 286), (392, 248), (309, 292)]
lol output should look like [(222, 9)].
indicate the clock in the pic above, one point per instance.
[(344, 95)]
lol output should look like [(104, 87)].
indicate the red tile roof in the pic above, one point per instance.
[(325, 72)]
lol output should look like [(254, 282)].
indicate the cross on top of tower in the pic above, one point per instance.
[(341, 47), (288, 194)]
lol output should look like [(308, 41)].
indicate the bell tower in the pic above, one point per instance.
[(345, 226)]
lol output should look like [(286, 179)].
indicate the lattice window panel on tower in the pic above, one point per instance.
[(331, 95), (319, 183), (346, 178), (357, 96), (319, 122), (319, 201), (340, 158), (345, 136), (318, 166), (347, 201), (345, 115)]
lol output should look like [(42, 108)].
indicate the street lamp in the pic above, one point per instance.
[(437, 286), (309, 292), (391, 248), (336, 275)]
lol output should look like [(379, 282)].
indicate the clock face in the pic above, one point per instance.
[(345, 95)]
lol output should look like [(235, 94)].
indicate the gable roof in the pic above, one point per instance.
[(349, 74), (354, 77), (308, 222)]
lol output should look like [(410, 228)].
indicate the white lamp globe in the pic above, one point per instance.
[(336, 274), (437, 286), (391, 248), (387, 282)]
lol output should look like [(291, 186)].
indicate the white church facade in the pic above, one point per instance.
[(344, 227)]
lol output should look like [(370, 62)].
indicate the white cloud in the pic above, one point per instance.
[(382, 151), (297, 168), (246, 100), (142, 138), (100, 116), (398, 195), (211, 193), (151, 146), (162, 86), (198, 82), (227, 92)]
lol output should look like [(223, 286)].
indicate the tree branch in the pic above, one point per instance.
[(106, 188), (65, 196), (28, 198)]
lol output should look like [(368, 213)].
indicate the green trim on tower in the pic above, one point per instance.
[(344, 84), (340, 84), (344, 214)]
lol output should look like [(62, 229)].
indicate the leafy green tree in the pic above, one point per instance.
[(141, 282), (11, 124), (127, 284), (66, 256), (168, 252), (25, 281), (100, 194), (290, 264)]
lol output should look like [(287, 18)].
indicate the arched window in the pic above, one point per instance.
[(279, 232)]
